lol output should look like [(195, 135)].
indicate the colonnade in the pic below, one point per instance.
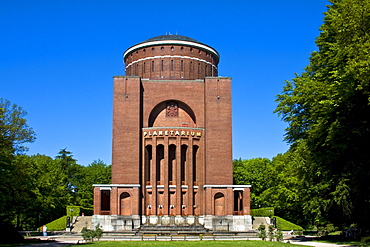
[(171, 171)]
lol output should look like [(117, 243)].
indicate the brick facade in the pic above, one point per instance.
[(172, 150)]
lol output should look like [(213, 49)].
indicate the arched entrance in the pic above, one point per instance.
[(219, 202), (125, 203)]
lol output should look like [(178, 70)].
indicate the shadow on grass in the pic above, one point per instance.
[(341, 241), (27, 241)]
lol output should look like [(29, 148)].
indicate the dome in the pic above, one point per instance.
[(172, 37), (171, 40), (171, 57)]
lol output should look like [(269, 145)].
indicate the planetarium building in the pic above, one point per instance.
[(172, 153)]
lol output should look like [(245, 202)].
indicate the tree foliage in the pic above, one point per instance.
[(14, 132), (328, 111), (35, 190), (252, 172)]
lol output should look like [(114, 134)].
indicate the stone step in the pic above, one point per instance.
[(172, 230), (82, 222)]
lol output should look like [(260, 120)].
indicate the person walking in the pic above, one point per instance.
[(44, 229)]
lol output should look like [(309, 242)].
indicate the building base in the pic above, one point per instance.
[(119, 223)]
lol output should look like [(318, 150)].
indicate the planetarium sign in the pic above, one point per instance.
[(172, 132)]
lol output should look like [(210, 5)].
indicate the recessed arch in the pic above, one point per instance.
[(186, 116), (125, 203), (219, 204)]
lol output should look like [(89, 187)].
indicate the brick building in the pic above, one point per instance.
[(172, 153)]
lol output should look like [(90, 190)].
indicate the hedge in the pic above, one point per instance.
[(58, 224), (78, 211), (263, 212), (285, 225)]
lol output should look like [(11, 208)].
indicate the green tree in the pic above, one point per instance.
[(14, 133), (284, 192), (328, 111), (71, 169), (253, 172), (95, 173)]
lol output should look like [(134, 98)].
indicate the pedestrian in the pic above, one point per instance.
[(44, 229)]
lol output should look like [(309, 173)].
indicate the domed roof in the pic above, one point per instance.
[(172, 37)]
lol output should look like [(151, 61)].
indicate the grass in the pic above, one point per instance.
[(341, 241), (247, 243)]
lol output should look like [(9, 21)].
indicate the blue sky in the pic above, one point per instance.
[(57, 60)]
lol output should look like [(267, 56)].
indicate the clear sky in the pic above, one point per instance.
[(57, 60)]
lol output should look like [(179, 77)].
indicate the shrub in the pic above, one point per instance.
[(271, 233), (89, 235), (262, 232), (279, 236), (365, 240)]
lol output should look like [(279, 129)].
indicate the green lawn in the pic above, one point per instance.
[(247, 243)]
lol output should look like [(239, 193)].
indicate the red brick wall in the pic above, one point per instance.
[(126, 151), (218, 137), (179, 62)]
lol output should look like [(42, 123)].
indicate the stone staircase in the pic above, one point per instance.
[(172, 230), (82, 222), (260, 221)]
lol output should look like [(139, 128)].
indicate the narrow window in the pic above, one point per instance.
[(182, 65), (172, 65), (144, 68), (162, 65), (191, 66), (105, 200), (172, 49), (152, 66)]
